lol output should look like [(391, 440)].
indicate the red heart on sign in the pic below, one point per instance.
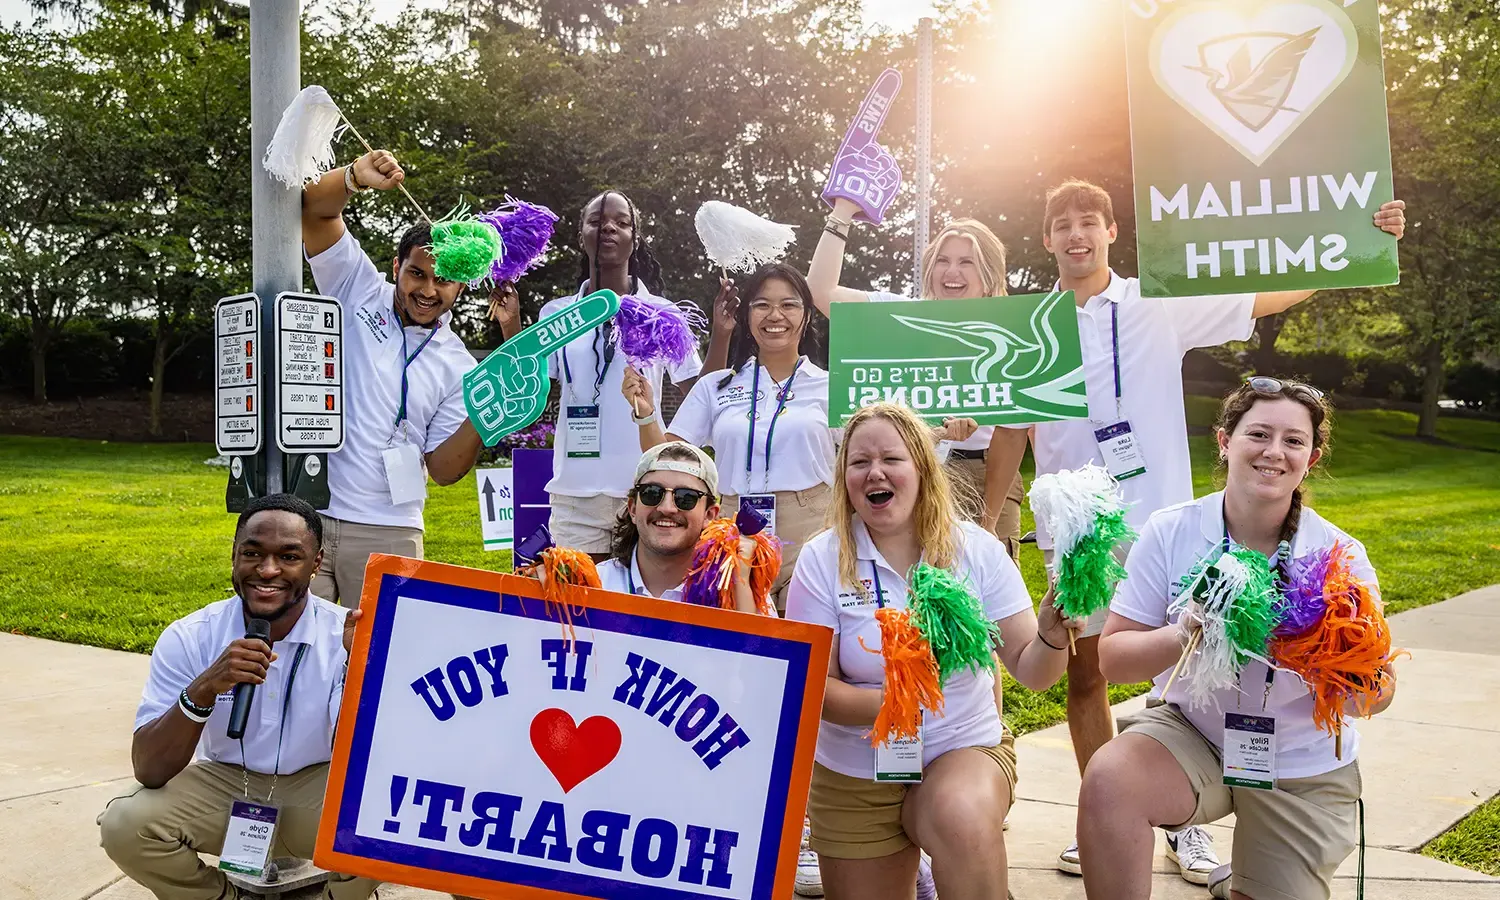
[(573, 752)]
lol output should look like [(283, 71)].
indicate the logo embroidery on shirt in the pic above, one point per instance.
[(374, 321)]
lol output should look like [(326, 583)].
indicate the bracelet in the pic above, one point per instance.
[(1043, 639), (352, 187), (830, 228), (199, 714), (644, 420), (832, 219)]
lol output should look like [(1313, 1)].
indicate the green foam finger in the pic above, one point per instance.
[(508, 391)]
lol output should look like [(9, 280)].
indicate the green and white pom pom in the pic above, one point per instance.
[(1234, 596), (1085, 514), (464, 248), (953, 621)]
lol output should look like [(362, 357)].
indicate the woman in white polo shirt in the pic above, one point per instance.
[(893, 507), (1165, 768), (966, 260), (595, 449)]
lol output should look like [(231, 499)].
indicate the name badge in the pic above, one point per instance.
[(1122, 455), (1250, 751), (247, 840), (583, 432), (404, 473), (765, 504), (900, 761)]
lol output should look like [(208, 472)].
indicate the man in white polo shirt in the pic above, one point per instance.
[(1137, 426), (405, 418), (674, 494), (190, 772)]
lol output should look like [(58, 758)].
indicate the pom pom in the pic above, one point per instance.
[(653, 331), (716, 560), (1342, 655), (301, 150), (911, 677), (1085, 514), (525, 231), (563, 570), (464, 249), (738, 239), (1302, 603), (953, 622), (1233, 596)]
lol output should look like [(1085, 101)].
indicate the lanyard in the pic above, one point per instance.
[(1114, 336), (406, 362), (607, 357), (781, 398), (1279, 561), (879, 594), (286, 708), (630, 575)]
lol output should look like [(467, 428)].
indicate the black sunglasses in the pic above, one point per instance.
[(1265, 384), (653, 494)]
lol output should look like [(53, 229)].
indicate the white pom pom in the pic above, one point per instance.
[(1212, 667), (738, 239), (301, 150), (1068, 502)]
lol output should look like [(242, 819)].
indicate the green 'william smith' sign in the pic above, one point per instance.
[(997, 360)]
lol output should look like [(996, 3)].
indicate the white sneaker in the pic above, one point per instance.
[(1067, 861), (926, 888), (809, 881), (1219, 882), (1192, 849)]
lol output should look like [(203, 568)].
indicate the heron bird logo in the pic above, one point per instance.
[(1258, 72), (995, 343)]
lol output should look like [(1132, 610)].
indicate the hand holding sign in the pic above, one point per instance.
[(508, 391), (864, 172)]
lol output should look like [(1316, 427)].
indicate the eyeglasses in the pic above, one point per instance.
[(653, 494), (1265, 384)]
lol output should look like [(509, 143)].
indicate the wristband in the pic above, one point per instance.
[(351, 186), (832, 229), (199, 714), (643, 420), (1043, 639)]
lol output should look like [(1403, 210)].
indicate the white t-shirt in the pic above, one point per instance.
[(373, 348), (613, 471), (969, 717), (801, 450), (616, 576), (1173, 542), (980, 439), (191, 644), (1155, 334)]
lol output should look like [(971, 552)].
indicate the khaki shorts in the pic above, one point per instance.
[(584, 523), (1008, 528), (1287, 842), (799, 516), (346, 551), (858, 818)]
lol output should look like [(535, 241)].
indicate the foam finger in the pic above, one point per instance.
[(874, 109)]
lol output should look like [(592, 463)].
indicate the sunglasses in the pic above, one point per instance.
[(653, 494), (1271, 387)]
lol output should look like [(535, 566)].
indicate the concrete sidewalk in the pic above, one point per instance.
[(66, 713)]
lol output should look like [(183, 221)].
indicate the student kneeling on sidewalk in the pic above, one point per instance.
[(190, 772)]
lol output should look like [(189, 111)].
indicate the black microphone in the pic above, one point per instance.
[(244, 692)]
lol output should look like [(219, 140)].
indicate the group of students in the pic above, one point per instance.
[(856, 509)]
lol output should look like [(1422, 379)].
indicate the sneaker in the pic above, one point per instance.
[(1219, 881), (1067, 861), (1192, 849), (809, 881), (926, 889)]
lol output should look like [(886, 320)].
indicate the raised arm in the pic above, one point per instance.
[(324, 200), (721, 333), (828, 260), (1390, 218)]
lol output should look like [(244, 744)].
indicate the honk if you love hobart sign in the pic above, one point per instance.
[(494, 745), (1260, 144)]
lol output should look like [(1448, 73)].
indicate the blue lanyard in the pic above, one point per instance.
[(607, 357), (286, 708), (406, 362), (879, 594), (1114, 333), (781, 399), (630, 575)]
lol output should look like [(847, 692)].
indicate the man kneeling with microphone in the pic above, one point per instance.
[(234, 731)]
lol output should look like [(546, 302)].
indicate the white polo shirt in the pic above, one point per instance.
[(969, 717), (800, 453), (373, 349), (191, 644), (613, 471), (980, 439), (1173, 542), (1155, 334), (622, 579)]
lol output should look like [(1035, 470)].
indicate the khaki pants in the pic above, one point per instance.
[(1008, 528), (583, 523), (346, 550), (799, 516), (155, 835)]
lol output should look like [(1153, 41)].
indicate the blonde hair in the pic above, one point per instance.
[(936, 513), (988, 250)]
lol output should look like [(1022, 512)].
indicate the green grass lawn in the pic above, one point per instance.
[(107, 543), (1473, 843)]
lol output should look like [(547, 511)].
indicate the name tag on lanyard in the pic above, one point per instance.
[(247, 840), (1117, 441), (584, 434), (405, 470), (783, 396), (1250, 751), (900, 761), (765, 504)]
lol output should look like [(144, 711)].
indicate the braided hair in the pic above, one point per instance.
[(1243, 398), (742, 346), (643, 263)]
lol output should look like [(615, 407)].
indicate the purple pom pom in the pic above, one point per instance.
[(702, 585), (749, 520), (656, 331), (1302, 604), (526, 231)]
